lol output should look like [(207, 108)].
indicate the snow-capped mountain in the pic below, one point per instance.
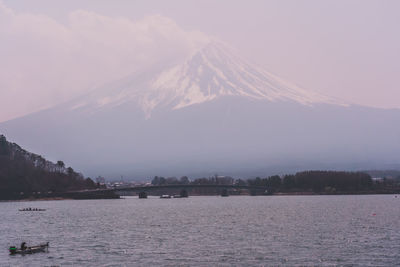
[(210, 73), (214, 112)]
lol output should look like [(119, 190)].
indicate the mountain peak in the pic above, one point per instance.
[(211, 72)]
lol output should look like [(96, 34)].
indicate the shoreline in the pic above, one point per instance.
[(304, 193), (35, 199)]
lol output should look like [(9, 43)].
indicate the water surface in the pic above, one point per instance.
[(207, 231)]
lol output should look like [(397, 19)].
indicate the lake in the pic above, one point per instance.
[(362, 230)]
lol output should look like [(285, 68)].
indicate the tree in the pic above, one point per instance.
[(172, 180), (4, 147), (184, 180), (274, 181), (163, 181), (155, 181), (70, 171), (288, 181), (60, 165)]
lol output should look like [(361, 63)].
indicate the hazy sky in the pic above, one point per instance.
[(51, 51)]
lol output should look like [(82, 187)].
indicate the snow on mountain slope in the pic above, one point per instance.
[(213, 71)]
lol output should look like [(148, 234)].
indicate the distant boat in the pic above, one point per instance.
[(165, 196), (29, 250), (31, 209)]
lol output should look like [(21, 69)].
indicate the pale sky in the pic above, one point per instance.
[(51, 51)]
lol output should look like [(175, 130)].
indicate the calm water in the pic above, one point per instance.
[(207, 231)]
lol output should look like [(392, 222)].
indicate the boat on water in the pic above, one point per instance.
[(165, 196), (31, 209), (29, 250)]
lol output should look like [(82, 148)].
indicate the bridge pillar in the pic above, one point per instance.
[(184, 193), (143, 194), (224, 192)]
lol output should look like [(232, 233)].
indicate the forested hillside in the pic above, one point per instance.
[(24, 174)]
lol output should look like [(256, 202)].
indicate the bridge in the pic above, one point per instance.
[(179, 190), (184, 189)]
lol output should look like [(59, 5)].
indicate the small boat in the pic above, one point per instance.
[(29, 250), (31, 209), (165, 196)]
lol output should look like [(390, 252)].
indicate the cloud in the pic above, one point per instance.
[(44, 62)]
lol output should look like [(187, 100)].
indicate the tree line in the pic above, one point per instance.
[(315, 181), (25, 174)]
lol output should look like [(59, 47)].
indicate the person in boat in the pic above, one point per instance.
[(23, 246)]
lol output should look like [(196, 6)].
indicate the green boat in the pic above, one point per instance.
[(29, 250)]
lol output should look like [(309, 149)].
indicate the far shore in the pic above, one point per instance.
[(306, 193), (35, 199)]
